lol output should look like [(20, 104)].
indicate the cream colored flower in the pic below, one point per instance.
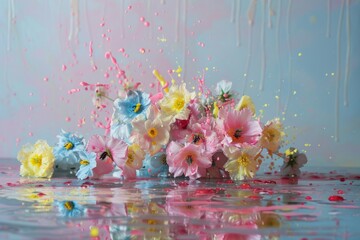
[(242, 163), (36, 160), (174, 104), (272, 135)]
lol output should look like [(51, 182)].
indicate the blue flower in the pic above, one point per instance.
[(154, 166), (87, 161), (120, 130), (135, 103), (70, 209), (66, 150)]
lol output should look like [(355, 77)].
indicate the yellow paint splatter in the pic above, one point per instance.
[(277, 97), (94, 232), (307, 145), (299, 54), (294, 92)]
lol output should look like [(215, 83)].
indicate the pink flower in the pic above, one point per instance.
[(108, 151), (189, 160), (238, 127)]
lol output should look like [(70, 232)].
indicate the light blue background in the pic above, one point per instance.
[(39, 46)]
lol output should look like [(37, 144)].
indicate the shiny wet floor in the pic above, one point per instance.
[(322, 205)]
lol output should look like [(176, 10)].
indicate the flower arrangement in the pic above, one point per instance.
[(175, 132)]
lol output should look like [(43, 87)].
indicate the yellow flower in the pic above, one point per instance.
[(36, 160), (174, 104), (242, 163), (272, 135), (246, 102)]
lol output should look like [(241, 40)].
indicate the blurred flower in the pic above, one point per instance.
[(152, 134), (101, 96), (70, 209), (293, 161), (243, 162), (135, 157), (36, 160), (223, 90), (135, 103), (120, 130), (66, 150), (108, 151), (87, 161), (155, 165), (217, 167), (246, 102), (189, 160), (238, 127), (174, 104), (271, 136)]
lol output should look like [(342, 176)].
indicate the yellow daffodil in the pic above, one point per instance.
[(272, 135), (36, 160)]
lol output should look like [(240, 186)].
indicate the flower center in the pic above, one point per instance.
[(36, 160), (105, 154), (197, 139), (243, 160), (237, 133), (68, 145), (270, 135), (189, 159), (84, 162), (152, 132), (179, 104), (137, 107), (130, 159), (69, 205)]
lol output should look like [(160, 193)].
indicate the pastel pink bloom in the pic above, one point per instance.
[(189, 160), (203, 133), (108, 151), (238, 127)]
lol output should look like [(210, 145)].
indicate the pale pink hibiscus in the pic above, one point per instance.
[(109, 151), (238, 127), (189, 160)]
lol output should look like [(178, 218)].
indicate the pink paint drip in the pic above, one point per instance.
[(90, 49)]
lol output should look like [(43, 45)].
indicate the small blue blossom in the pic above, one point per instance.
[(70, 209), (120, 130), (154, 166), (87, 161), (66, 150), (135, 103)]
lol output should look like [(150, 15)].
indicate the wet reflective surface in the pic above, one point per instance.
[(317, 206)]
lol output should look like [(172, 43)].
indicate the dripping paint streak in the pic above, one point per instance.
[(251, 12), (11, 19), (289, 55), (248, 61), (328, 21), (278, 54), (177, 21), (185, 39), (270, 14), (263, 50), (348, 50), (338, 72), (149, 16), (233, 7), (122, 33), (238, 32)]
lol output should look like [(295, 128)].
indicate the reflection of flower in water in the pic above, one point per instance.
[(70, 209)]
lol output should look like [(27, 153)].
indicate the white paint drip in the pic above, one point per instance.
[(149, 17), (185, 40), (288, 14), (338, 72), (278, 54), (238, 22), (74, 20), (328, 20), (122, 30), (11, 21), (251, 12), (177, 21), (348, 51), (248, 61), (270, 14), (263, 48), (233, 7)]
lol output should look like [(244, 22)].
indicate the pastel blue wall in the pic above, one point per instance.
[(35, 44)]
